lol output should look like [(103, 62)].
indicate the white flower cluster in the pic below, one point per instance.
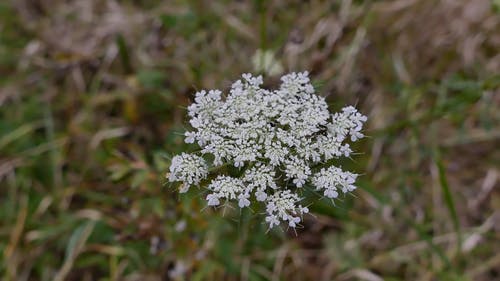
[(278, 139), (189, 169)]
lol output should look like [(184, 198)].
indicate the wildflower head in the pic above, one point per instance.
[(278, 140), (189, 169)]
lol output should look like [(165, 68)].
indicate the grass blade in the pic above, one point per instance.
[(448, 199), (75, 245)]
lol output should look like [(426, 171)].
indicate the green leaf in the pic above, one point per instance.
[(448, 199), (168, 21), (138, 178), (124, 53), (78, 239), (151, 79), (118, 172)]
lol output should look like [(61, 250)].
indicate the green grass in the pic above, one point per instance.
[(93, 103)]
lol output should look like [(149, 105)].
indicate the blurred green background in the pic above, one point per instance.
[(92, 107)]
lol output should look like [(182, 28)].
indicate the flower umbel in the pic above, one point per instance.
[(278, 139), (189, 169)]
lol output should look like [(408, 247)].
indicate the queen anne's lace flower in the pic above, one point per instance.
[(189, 169), (260, 178), (228, 188), (349, 122), (276, 138), (332, 180), (284, 206), (297, 170)]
